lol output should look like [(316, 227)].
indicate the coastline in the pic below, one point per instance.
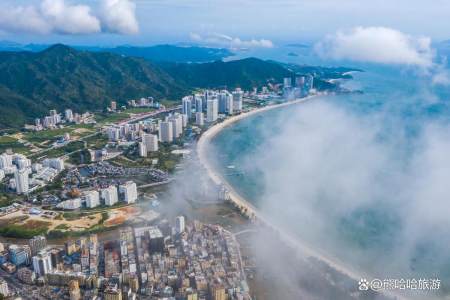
[(252, 212)]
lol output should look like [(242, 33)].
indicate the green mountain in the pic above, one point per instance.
[(169, 53), (245, 73), (61, 77)]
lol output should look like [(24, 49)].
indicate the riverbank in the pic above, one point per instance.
[(252, 212)]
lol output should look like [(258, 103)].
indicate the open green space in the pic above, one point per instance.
[(9, 142), (52, 134), (105, 118)]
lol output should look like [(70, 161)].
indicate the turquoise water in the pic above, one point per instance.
[(385, 235)]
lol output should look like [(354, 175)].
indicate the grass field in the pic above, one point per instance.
[(27, 230), (46, 135), (138, 110), (8, 142), (111, 118)]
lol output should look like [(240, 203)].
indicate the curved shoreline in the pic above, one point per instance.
[(253, 212)]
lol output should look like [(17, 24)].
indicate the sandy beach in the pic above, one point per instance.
[(240, 201)]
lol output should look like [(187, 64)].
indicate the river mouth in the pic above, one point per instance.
[(384, 227)]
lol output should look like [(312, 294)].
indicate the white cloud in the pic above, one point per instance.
[(23, 19), (69, 19), (119, 16), (65, 17), (377, 45), (218, 39)]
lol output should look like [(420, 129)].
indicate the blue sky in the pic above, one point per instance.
[(171, 21)]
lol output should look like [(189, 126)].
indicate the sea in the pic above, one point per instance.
[(392, 218)]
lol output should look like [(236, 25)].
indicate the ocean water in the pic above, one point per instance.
[(392, 235)]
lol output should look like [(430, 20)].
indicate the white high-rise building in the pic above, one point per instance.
[(179, 224), (22, 162), (287, 82), (109, 195), (230, 107), (42, 263), (113, 133), (237, 100), (92, 199), (150, 141), (184, 119), (199, 119), (212, 110), (129, 191), (224, 99), (198, 103), (55, 163), (166, 131), (177, 124), (22, 181), (5, 161), (68, 115), (142, 150), (187, 106)]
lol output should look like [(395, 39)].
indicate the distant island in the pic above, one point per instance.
[(296, 45)]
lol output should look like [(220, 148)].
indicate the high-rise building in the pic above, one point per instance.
[(309, 82), (42, 263), (198, 103), (109, 195), (142, 149), (222, 98), (166, 132), (68, 115), (199, 119), (128, 190), (187, 106), (74, 290), (19, 255), (113, 133), (230, 107), (55, 163), (177, 124), (5, 161), (4, 290), (212, 110), (37, 243), (287, 82), (150, 141), (22, 181), (179, 224), (185, 120), (26, 276), (237, 100), (92, 199), (56, 257)]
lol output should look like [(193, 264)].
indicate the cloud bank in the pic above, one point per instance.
[(358, 185), (63, 17), (377, 45), (118, 16), (222, 40)]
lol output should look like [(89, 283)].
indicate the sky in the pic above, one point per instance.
[(250, 23)]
